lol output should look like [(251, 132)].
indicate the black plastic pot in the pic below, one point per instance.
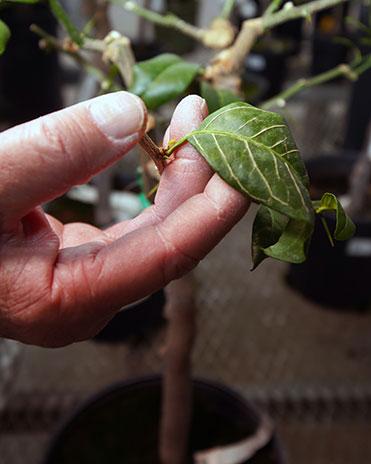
[(121, 425), (326, 54), (135, 322), (337, 277), (30, 84)]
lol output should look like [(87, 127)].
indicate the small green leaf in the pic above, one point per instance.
[(345, 227), (162, 79), (146, 71), (4, 36), (61, 15), (217, 98)]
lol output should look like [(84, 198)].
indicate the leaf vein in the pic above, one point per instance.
[(232, 173), (266, 129)]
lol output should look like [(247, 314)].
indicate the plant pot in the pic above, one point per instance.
[(121, 425), (326, 54), (30, 84), (339, 276), (135, 322)]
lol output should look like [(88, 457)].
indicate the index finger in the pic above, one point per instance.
[(42, 159)]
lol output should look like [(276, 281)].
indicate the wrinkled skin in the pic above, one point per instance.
[(62, 283)]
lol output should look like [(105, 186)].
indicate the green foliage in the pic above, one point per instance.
[(64, 19), (4, 36), (344, 225), (22, 1), (161, 79), (254, 152), (217, 98)]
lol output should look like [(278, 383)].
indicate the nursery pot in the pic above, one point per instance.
[(335, 276), (30, 84), (136, 321), (121, 425)]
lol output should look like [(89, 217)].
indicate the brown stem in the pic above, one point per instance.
[(154, 152), (231, 60), (177, 383)]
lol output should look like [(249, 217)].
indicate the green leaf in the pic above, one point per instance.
[(146, 71), (254, 152), (4, 36), (292, 247), (217, 98), (61, 15), (345, 227), (267, 230), (161, 79), (23, 1)]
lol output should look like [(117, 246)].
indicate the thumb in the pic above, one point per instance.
[(44, 158)]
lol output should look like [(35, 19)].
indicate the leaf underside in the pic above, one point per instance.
[(161, 79)]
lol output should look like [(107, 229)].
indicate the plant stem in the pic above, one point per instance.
[(176, 416), (231, 59), (273, 7), (281, 99), (154, 152), (54, 43), (168, 20), (118, 50), (228, 8), (294, 12)]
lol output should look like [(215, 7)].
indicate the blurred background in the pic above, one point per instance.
[(293, 340)]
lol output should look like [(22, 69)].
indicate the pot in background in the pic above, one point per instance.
[(335, 276), (30, 84), (121, 425)]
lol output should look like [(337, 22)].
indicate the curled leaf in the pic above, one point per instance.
[(161, 79), (267, 230), (345, 227)]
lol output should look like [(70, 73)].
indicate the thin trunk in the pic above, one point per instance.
[(177, 382)]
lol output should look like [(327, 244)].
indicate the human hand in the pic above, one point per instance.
[(62, 283)]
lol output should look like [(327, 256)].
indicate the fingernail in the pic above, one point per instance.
[(119, 115), (204, 108)]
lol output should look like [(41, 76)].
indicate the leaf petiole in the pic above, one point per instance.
[(327, 230), (169, 150)]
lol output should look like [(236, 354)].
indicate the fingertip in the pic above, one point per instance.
[(188, 115), (118, 115)]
